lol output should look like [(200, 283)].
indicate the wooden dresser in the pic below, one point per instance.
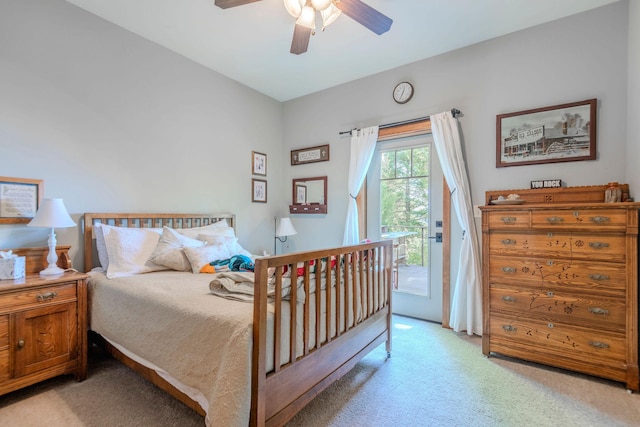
[(43, 324), (560, 286)]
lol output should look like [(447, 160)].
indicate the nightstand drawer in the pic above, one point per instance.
[(38, 296)]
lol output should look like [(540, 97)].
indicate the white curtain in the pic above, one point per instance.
[(363, 145), (466, 303)]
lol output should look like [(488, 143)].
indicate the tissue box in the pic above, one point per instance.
[(12, 268)]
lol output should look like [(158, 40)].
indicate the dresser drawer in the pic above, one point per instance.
[(602, 247), (509, 220), (558, 339), (35, 297), (564, 306), (607, 278), (587, 219)]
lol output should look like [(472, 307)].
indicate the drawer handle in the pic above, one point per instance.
[(509, 269), (599, 219), (598, 277), (46, 296), (598, 344), (509, 328), (555, 219), (598, 245), (20, 344), (509, 298), (508, 242), (599, 311), (509, 219)]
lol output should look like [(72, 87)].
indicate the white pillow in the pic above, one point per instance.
[(216, 227), (101, 246), (203, 255), (129, 250), (231, 243), (169, 251)]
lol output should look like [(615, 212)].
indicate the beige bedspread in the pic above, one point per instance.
[(179, 340)]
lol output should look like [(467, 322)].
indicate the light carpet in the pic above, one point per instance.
[(434, 377)]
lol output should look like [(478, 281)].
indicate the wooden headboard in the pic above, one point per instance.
[(143, 220)]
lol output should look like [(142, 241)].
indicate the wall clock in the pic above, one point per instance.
[(403, 92)]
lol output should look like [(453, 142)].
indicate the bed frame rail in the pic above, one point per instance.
[(363, 272)]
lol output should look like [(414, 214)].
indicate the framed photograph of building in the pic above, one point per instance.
[(560, 133)]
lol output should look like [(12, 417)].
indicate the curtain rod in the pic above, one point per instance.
[(454, 111)]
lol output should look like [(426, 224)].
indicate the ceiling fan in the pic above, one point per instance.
[(305, 13)]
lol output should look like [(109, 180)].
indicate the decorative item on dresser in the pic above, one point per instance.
[(43, 323), (560, 282)]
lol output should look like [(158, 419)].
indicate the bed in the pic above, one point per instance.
[(248, 351)]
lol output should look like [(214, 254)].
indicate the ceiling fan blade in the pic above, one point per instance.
[(225, 4), (365, 15), (300, 41)]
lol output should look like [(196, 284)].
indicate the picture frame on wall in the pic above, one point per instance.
[(301, 193), (20, 199), (559, 133), (259, 190), (319, 153), (258, 163)]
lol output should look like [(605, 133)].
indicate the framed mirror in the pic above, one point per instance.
[(309, 195)]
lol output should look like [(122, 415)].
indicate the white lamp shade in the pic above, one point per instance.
[(307, 18), (294, 7), (321, 4), (52, 214), (329, 15), (285, 228)]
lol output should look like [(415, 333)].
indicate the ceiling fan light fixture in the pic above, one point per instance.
[(307, 18), (329, 15), (321, 4), (294, 7)]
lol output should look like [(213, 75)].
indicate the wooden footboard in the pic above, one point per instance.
[(363, 272), (355, 316)]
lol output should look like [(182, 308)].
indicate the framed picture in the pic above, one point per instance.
[(259, 190), (258, 163), (301, 193), (560, 133), (310, 155), (20, 199)]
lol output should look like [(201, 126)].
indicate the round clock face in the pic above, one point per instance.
[(403, 92)]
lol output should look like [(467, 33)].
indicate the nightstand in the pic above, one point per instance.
[(43, 329)]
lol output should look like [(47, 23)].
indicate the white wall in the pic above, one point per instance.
[(580, 57), (112, 122), (633, 91)]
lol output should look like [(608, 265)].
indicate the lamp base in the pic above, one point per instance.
[(52, 270)]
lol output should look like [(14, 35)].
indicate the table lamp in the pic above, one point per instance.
[(52, 214)]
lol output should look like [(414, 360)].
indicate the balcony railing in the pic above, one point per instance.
[(417, 249)]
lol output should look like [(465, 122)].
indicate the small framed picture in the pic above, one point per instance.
[(301, 193), (258, 163), (259, 190)]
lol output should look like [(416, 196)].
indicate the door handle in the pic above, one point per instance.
[(437, 237)]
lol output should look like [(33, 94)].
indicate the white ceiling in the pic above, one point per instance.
[(250, 43)]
